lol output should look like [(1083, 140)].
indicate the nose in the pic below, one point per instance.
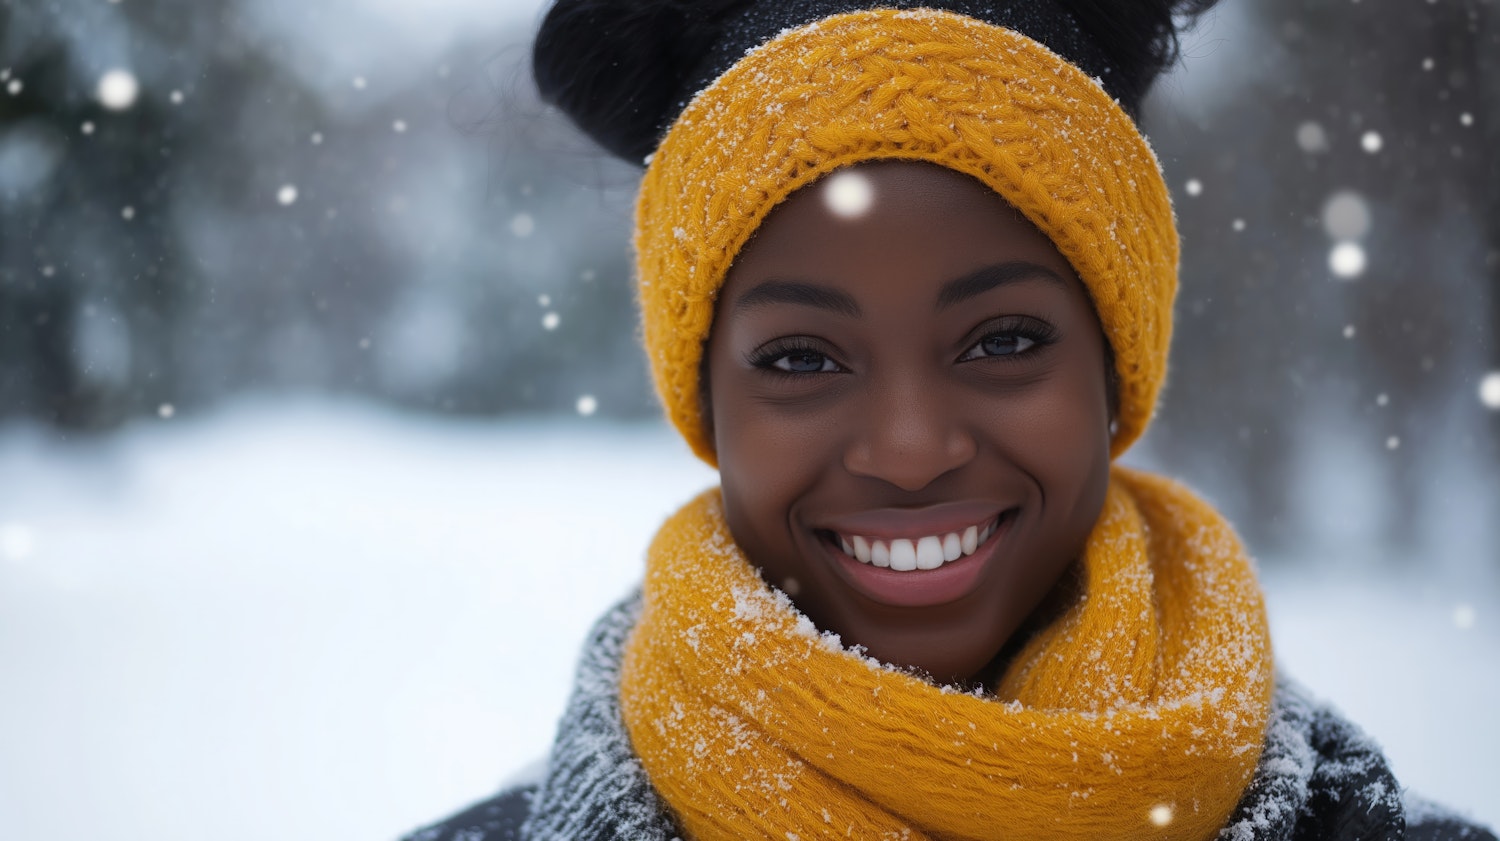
[(909, 436)]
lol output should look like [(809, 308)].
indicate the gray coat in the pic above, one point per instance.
[(1319, 777)]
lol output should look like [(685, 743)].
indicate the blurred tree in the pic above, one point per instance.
[(1344, 274)]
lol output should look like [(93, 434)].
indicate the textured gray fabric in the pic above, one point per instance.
[(595, 787), (1319, 778)]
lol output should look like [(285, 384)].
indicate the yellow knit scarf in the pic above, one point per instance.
[(1139, 713)]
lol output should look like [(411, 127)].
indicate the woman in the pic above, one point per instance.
[(907, 279)]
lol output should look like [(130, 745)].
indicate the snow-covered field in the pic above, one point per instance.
[(327, 621)]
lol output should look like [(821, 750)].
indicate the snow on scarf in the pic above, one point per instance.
[(1319, 777), (1140, 712)]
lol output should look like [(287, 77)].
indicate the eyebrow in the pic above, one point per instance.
[(977, 283), (797, 292)]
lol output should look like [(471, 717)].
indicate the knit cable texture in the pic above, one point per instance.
[(1139, 713), (918, 85)]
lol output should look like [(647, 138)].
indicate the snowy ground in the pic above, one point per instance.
[(331, 622)]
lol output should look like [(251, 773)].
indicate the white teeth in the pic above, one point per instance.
[(952, 547), (906, 554), (929, 553), (903, 555)]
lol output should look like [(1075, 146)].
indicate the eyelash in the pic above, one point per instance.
[(766, 357), (1039, 333)]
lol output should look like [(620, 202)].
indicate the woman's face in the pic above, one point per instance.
[(908, 397)]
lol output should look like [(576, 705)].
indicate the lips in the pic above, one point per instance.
[(926, 552), (919, 558)]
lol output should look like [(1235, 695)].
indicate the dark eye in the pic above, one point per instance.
[(1000, 344), (804, 362)]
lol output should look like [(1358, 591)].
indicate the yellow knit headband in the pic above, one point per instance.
[(915, 85)]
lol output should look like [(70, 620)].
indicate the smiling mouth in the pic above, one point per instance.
[(918, 552)]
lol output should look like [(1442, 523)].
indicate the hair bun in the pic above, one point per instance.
[(1139, 39), (615, 66), (621, 69)]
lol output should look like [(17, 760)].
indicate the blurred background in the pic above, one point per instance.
[(325, 431)]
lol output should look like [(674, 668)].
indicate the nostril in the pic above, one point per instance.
[(910, 464)]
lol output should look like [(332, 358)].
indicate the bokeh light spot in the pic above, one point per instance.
[(1346, 215), (117, 90), (1464, 616), (1161, 814), (1347, 260), (1311, 137), (849, 194), (1489, 390)]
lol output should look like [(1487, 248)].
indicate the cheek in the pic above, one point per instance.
[(1068, 446), (763, 464)]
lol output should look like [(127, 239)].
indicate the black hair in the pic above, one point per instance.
[(623, 69)]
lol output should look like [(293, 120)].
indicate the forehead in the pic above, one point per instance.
[(906, 218)]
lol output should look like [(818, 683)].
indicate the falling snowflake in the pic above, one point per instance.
[(1349, 331), (544, 300), (1238, 225), (1347, 260), (165, 411), (550, 321), (1371, 142), (1346, 215), (14, 87), (1161, 814), (1489, 390), (176, 97), (849, 194), (1382, 399), (117, 90), (358, 82), (398, 126), (287, 194), (587, 405), (317, 138), (127, 213), (1393, 442), (522, 225), (1311, 137), (87, 127), (1194, 187), (1428, 63), (1466, 118)]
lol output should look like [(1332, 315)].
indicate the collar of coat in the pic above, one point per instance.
[(1319, 777)]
